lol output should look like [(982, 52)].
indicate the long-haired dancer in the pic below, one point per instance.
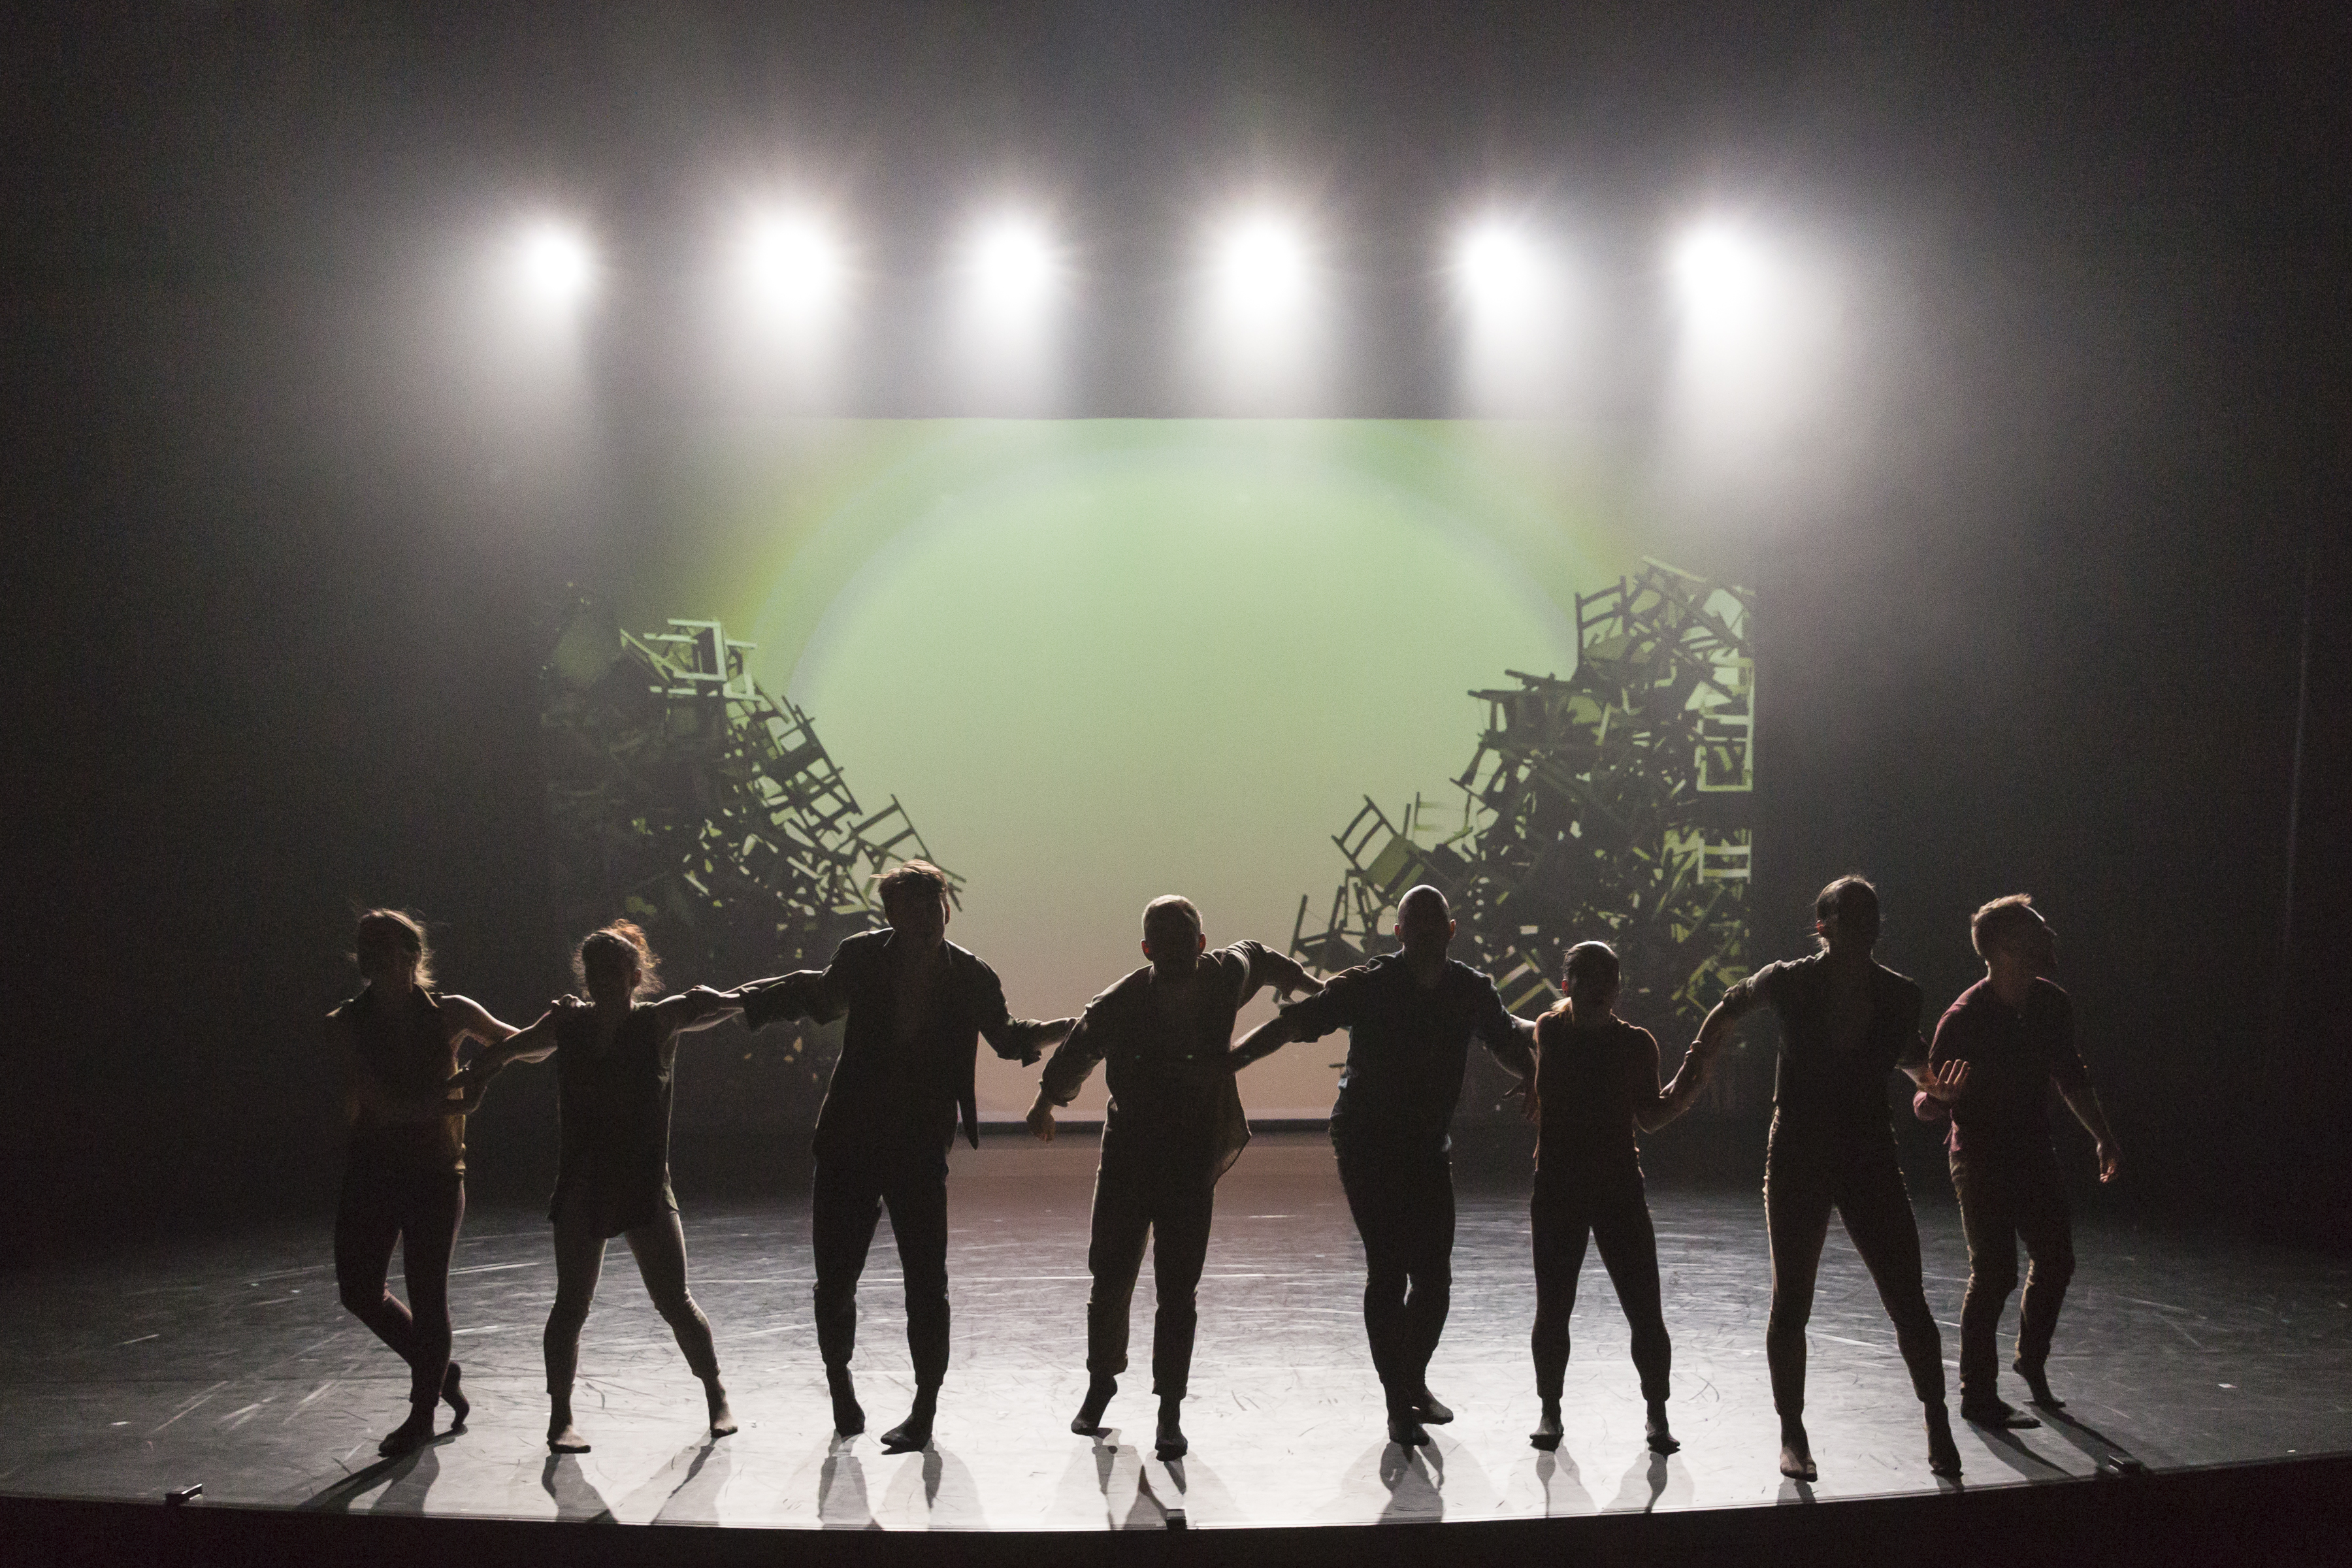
[(1596, 1082), (612, 1062), (404, 1180)]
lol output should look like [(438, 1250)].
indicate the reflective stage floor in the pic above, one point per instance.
[(231, 1364)]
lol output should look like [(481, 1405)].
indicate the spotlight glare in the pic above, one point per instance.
[(555, 264), (1496, 264), (795, 260), (1014, 262), (1718, 267), (1263, 256)]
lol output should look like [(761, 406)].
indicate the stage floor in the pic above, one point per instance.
[(230, 1363)]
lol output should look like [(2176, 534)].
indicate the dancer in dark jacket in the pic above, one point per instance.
[(1409, 1017), (918, 1007), (1175, 1125)]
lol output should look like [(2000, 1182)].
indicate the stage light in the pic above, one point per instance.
[(554, 265), (1497, 268), (1014, 265), (1260, 339), (1510, 291), (1262, 262), (1722, 272), (795, 262)]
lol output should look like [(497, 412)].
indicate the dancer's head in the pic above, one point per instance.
[(1846, 915), (1591, 977), (2010, 932), (1173, 937), (915, 900), (615, 965), (1424, 925), (390, 948)]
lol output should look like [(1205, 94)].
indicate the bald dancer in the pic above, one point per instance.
[(1409, 1015)]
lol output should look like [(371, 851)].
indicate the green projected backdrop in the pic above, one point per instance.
[(1095, 661)]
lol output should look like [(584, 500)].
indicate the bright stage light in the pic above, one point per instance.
[(1497, 268), (554, 265), (1510, 290), (1014, 264), (795, 262), (1262, 262), (1721, 271), (1261, 339)]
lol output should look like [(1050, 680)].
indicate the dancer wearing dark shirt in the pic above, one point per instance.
[(1846, 1024), (1175, 1126), (1596, 1082), (613, 1061), (2012, 1035), (405, 1177), (1409, 1017), (918, 1007)]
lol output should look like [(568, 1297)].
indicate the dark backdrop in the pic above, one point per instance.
[(2035, 623)]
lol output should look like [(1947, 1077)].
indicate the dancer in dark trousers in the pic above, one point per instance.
[(1596, 1082), (1175, 1125), (918, 1006), (2009, 1037), (404, 1180), (613, 1061), (1409, 1017), (1846, 1023)]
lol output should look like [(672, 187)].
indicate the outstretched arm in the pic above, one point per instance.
[(697, 1008), (1262, 1041), (1655, 1107), (802, 994)]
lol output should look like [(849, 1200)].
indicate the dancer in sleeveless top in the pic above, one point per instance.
[(1846, 1024), (1596, 1082), (405, 1179), (613, 1058), (1174, 1127)]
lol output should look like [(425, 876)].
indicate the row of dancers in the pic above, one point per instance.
[(917, 1007)]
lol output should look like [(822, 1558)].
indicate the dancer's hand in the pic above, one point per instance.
[(567, 1005), (2110, 1162), (1040, 1119), (1944, 1084)]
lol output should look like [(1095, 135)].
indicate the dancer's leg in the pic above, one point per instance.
[(1797, 1205), (1877, 1214), (431, 1210), (2046, 1224), (844, 1204), (579, 1262), (660, 1251), (1989, 1221), (918, 1198), (1560, 1228), (1628, 1243), (1182, 1216)]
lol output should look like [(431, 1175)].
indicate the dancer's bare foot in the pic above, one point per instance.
[(1167, 1442), (1998, 1414), (848, 1415), (1943, 1453), (455, 1397), (1548, 1427), (1405, 1429), (409, 1435), (1088, 1422), (722, 1420), (2037, 1383), (915, 1431), (1797, 1453), (1654, 1427), (562, 1437)]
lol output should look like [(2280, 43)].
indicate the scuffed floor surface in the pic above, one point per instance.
[(232, 1364)]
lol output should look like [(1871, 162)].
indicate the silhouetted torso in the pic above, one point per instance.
[(412, 1056), (614, 1098)]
